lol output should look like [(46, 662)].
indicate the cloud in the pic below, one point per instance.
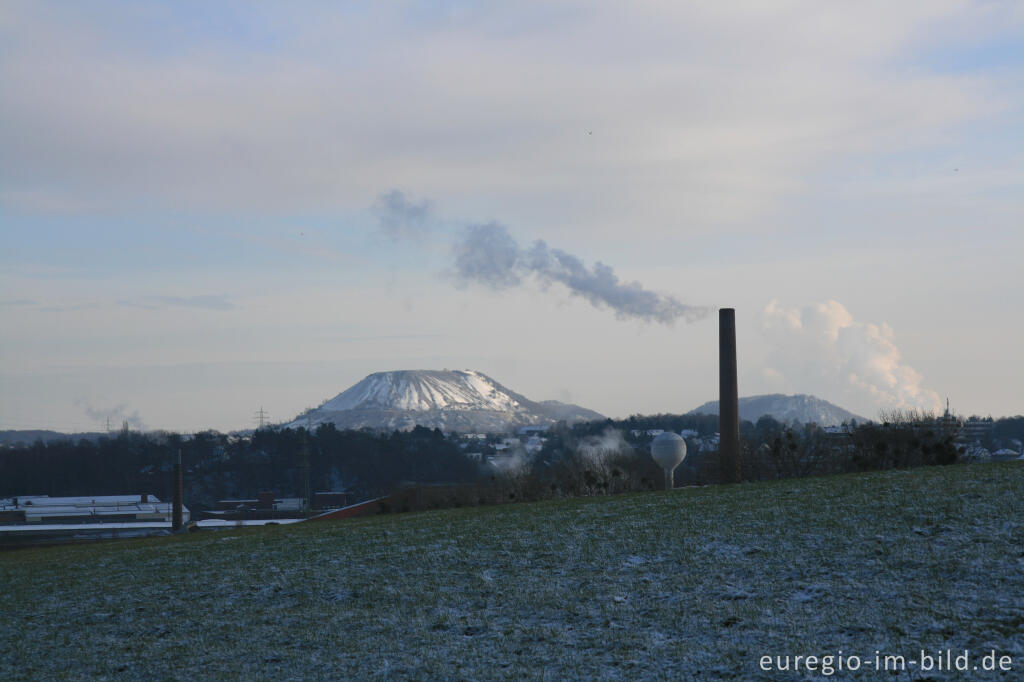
[(487, 254), (401, 217), (207, 302), (70, 307), (822, 348), (695, 109), (203, 302)]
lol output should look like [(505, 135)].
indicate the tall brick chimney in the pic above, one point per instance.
[(728, 399)]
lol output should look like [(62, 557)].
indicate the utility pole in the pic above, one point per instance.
[(305, 468), (261, 418)]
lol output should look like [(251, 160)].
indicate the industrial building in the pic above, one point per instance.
[(268, 507), (41, 519)]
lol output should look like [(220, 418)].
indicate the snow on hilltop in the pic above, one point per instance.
[(423, 390), (800, 408), (456, 400)]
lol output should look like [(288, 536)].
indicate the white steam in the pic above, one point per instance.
[(855, 362), (487, 254), (596, 450), (513, 461)]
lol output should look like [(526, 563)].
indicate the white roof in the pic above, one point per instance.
[(227, 523), (128, 525), (83, 500), (94, 507)]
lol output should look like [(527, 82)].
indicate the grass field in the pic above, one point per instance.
[(693, 584)]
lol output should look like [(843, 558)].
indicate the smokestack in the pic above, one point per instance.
[(178, 495), (729, 398)]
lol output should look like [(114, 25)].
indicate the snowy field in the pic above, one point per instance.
[(694, 584)]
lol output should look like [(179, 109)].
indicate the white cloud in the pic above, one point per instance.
[(831, 130), (822, 349), (696, 111)]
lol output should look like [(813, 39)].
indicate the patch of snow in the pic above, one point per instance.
[(424, 390), (233, 523)]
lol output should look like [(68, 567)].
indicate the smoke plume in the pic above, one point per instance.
[(116, 416), (487, 254), (858, 362), (400, 217)]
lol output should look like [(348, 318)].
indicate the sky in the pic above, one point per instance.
[(211, 208)]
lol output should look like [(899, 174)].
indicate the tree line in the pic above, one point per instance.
[(220, 466), (588, 458)]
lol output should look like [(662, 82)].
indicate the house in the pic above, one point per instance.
[(976, 430), (1005, 455)]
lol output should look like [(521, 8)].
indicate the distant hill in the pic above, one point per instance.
[(800, 408), (28, 437), (463, 400)]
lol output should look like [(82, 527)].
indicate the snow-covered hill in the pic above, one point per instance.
[(800, 408), (459, 400)]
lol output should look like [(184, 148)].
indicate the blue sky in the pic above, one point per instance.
[(190, 222)]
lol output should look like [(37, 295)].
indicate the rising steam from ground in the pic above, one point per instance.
[(596, 450), (516, 460), (859, 361), (487, 254)]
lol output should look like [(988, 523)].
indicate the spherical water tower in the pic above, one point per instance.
[(668, 449)]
